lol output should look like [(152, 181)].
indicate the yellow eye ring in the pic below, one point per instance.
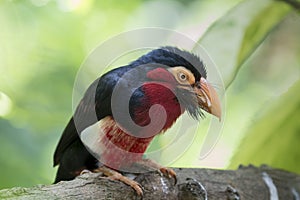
[(182, 76)]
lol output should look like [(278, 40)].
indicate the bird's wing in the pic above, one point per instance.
[(94, 106)]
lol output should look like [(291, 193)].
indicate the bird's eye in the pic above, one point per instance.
[(182, 76)]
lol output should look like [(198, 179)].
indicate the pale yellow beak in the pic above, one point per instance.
[(208, 98)]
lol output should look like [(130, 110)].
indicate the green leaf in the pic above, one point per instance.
[(231, 40), (274, 138)]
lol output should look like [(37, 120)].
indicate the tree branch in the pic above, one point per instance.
[(245, 183)]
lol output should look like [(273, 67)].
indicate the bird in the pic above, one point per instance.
[(131, 105)]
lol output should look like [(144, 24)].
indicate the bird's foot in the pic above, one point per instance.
[(114, 175), (167, 172)]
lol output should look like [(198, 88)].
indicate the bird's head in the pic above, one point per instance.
[(187, 74)]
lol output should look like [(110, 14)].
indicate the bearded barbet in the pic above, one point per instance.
[(131, 105)]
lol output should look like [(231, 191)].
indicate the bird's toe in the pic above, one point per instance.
[(168, 172)]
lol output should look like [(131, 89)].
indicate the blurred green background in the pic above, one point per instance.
[(255, 44)]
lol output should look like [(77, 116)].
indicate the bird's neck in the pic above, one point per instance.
[(162, 94)]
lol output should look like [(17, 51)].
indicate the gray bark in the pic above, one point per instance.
[(245, 183)]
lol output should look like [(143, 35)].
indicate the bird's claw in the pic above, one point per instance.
[(138, 189), (168, 172), (135, 185), (114, 175)]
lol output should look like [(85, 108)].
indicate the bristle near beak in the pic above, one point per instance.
[(208, 98)]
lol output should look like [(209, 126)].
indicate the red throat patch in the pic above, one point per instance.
[(118, 148), (163, 94)]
